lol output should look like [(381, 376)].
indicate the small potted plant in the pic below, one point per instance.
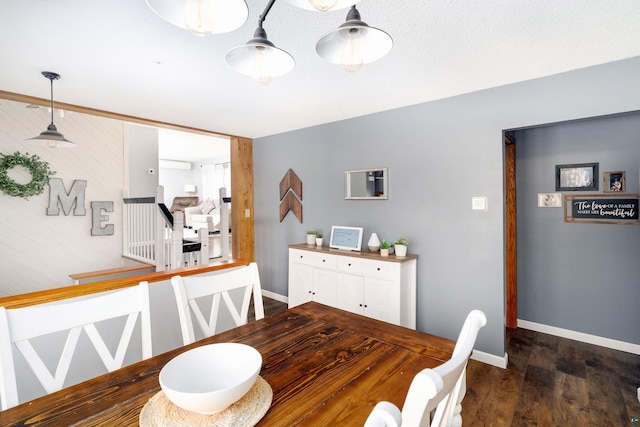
[(319, 239), (384, 248), (311, 237), (401, 246)]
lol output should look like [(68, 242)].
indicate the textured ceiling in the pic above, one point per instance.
[(119, 56)]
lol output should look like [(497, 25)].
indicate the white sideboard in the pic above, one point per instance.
[(366, 283)]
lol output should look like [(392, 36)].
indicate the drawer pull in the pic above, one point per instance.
[(324, 260), (349, 264), (378, 268)]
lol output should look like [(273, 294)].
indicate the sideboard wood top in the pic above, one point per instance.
[(365, 254)]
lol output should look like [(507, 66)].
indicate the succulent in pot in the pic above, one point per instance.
[(311, 237), (401, 246), (384, 248)]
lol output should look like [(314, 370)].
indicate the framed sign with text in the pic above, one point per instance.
[(601, 208)]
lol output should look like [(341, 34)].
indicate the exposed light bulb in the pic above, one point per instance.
[(351, 59), (51, 143), (323, 5), (261, 74), (199, 17)]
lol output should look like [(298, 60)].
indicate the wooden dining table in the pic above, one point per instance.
[(326, 367)]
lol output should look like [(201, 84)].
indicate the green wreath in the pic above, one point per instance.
[(40, 174)]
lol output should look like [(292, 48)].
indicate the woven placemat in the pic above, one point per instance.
[(159, 411)]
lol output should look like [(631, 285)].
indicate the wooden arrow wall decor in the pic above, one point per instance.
[(290, 181), (291, 195)]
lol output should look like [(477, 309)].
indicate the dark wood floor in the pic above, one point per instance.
[(553, 381), (549, 381)]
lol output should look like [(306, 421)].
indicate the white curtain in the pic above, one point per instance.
[(215, 177)]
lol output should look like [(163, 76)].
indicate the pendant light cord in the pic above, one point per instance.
[(51, 80), (264, 14)]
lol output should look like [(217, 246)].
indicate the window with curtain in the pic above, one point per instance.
[(214, 177)]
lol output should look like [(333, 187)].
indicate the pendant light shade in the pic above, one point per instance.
[(202, 17), (323, 5), (354, 43), (260, 59), (51, 137)]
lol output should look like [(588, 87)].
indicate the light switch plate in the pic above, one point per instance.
[(479, 203)]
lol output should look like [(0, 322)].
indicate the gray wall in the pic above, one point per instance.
[(439, 155), (581, 277)]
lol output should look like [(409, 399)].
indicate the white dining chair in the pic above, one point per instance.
[(434, 397), (20, 326), (189, 289)]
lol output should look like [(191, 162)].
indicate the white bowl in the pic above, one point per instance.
[(210, 378)]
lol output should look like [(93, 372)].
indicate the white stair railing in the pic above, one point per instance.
[(138, 233), (151, 234)]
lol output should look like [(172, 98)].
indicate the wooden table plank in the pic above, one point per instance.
[(415, 341), (387, 380), (325, 366)]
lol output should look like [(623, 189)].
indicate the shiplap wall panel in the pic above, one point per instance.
[(40, 251)]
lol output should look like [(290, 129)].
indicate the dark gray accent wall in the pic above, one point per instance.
[(440, 154), (581, 277)]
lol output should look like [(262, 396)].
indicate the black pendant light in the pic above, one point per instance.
[(51, 137)]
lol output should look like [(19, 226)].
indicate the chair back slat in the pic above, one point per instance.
[(21, 325), (218, 286)]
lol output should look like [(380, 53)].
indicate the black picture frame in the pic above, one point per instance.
[(577, 177), (614, 182)]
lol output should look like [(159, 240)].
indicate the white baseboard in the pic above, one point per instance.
[(491, 359), (580, 336), (275, 296)]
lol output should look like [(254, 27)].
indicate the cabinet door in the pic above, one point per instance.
[(300, 284), (324, 287), (351, 293), (382, 300)]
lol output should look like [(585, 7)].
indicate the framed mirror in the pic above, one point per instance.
[(366, 184)]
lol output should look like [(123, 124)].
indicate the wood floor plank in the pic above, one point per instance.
[(606, 404), (492, 400), (570, 401), (536, 398), (628, 369), (571, 358), (545, 352), (520, 342)]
